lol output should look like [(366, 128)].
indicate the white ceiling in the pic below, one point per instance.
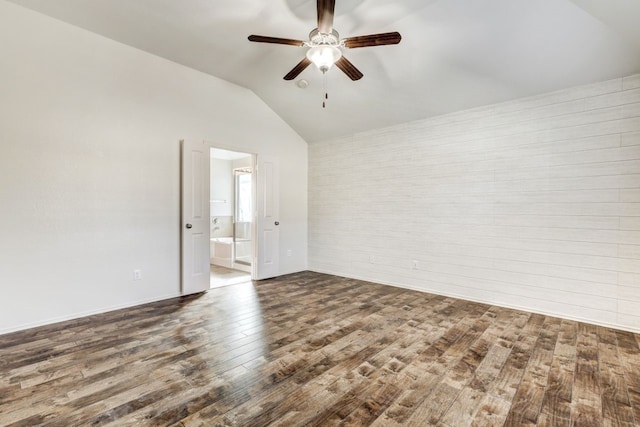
[(454, 55)]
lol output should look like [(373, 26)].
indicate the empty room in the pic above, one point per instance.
[(319, 213)]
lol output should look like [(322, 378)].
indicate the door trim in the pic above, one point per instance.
[(254, 192)]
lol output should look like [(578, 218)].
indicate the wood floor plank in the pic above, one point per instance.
[(493, 409), (616, 406), (328, 385), (586, 400), (319, 350), (628, 352), (365, 401), (508, 380), (466, 383), (320, 360), (528, 399), (386, 370), (492, 412), (429, 370), (556, 404)]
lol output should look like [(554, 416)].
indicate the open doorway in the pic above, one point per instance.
[(231, 209), (197, 223)]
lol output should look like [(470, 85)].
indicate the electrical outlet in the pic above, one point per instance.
[(137, 274), (289, 252), (372, 259), (414, 264)]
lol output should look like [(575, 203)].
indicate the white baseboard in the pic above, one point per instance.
[(463, 297), (83, 314)]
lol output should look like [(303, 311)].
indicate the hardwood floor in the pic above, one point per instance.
[(313, 349)]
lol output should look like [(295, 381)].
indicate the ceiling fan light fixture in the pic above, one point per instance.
[(324, 56)]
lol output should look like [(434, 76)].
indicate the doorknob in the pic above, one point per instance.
[(277, 223), (189, 226)]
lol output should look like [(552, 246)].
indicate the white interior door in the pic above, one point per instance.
[(195, 217), (268, 233)]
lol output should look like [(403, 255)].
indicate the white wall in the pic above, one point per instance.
[(89, 168), (221, 188), (533, 203)]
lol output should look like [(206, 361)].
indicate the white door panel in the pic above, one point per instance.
[(195, 217), (268, 217)]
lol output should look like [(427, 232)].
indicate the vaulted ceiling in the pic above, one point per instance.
[(454, 55)]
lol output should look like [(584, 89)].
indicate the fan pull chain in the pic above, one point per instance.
[(326, 91)]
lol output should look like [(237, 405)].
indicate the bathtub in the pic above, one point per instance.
[(221, 251)]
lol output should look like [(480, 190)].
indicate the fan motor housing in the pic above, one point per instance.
[(316, 38)]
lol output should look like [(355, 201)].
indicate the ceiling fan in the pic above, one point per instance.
[(324, 44)]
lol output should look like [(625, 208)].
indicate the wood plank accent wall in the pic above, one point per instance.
[(532, 204)]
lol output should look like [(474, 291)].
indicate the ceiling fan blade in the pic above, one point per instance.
[(348, 68), (373, 40), (298, 69), (325, 15), (275, 40)]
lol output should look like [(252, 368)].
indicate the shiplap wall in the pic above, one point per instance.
[(532, 204)]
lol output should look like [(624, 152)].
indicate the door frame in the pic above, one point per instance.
[(254, 192), (236, 194), (257, 272)]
